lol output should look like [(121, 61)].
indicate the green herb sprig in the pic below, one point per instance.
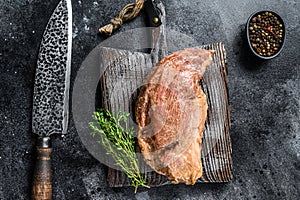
[(119, 142)]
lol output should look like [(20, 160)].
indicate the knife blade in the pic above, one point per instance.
[(51, 93)]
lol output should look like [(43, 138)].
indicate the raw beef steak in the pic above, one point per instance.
[(171, 112)]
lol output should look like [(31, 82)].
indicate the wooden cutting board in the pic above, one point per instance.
[(125, 73)]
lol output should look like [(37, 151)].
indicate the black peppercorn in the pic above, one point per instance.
[(266, 33)]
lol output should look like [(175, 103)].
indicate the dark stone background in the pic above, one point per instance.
[(264, 98)]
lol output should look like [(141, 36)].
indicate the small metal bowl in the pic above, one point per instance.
[(256, 53)]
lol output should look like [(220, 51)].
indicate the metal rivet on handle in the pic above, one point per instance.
[(155, 20)]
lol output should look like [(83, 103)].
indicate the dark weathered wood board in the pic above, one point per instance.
[(126, 72)]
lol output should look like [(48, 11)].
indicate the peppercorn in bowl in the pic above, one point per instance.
[(265, 34)]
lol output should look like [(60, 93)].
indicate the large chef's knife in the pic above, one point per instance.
[(51, 93)]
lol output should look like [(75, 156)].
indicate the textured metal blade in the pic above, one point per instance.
[(52, 79)]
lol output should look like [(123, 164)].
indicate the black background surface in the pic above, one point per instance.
[(264, 99)]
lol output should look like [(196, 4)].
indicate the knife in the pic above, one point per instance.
[(156, 13), (51, 93)]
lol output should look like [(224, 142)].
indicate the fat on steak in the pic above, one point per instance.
[(171, 112)]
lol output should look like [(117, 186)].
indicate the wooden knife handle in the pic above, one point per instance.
[(152, 14), (42, 181)]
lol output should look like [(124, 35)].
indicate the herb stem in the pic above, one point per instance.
[(119, 143)]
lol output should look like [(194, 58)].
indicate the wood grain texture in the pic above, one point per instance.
[(127, 71), (42, 181)]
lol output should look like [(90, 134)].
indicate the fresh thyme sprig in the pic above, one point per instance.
[(119, 143)]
